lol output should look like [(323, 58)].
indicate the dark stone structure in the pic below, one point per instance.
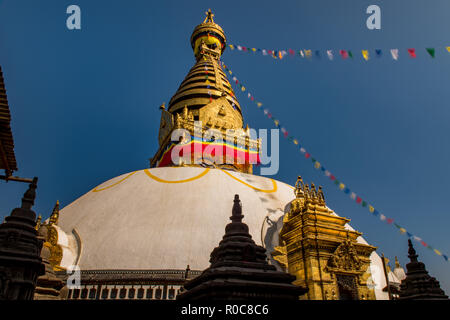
[(239, 270), (418, 284), (20, 251), (49, 286)]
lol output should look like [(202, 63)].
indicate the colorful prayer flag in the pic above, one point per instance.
[(308, 53), (365, 54), (412, 52), (394, 53), (431, 51), (330, 54), (344, 54)]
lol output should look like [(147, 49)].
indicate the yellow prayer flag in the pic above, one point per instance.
[(308, 53), (243, 88), (448, 49), (295, 141), (402, 230), (231, 46), (365, 54), (437, 252), (259, 104), (371, 209), (317, 165), (253, 49), (342, 186), (276, 122)]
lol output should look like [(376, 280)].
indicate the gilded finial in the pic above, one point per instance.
[(163, 106), (299, 186), (397, 264), (321, 195), (54, 217), (313, 191), (38, 222), (209, 16)]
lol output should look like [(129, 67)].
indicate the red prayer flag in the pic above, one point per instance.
[(390, 220), (358, 200), (344, 54), (412, 52), (332, 177), (291, 52), (307, 155)]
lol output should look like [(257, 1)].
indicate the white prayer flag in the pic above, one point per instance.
[(330, 54), (394, 53)]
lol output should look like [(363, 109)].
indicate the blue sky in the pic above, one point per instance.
[(85, 103)]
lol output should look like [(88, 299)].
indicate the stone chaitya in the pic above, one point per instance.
[(418, 284), (239, 270), (20, 249)]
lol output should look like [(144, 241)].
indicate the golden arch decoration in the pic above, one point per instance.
[(274, 184), (147, 172), (114, 184)]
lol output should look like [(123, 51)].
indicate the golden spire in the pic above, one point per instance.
[(299, 187), (55, 214), (397, 264), (38, 222)]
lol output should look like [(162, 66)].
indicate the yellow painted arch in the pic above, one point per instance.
[(96, 189), (274, 189), (147, 172)]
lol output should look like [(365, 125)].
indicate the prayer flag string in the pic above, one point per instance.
[(345, 54), (319, 166)]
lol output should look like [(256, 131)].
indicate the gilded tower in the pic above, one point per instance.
[(205, 103), (321, 252)]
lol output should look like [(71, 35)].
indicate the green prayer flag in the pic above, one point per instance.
[(431, 51), (350, 54)]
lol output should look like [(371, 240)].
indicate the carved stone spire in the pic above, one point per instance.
[(239, 270), (418, 284), (20, 248)]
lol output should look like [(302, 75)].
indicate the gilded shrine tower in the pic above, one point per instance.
[(206, 108), (321, 252)]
